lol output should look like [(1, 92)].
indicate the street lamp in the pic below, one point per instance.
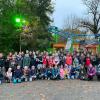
[(20, 22), (17, 20)]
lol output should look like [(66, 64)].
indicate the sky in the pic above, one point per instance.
[(65, 8)]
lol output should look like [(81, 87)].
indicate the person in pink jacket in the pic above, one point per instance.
[(62, 72), (91, 72)]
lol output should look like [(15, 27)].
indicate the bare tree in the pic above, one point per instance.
[(71, 22), (93, 21)]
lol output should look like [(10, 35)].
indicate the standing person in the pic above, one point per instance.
[(56, 59), (76, 62), (32, 60), (94, 60), (87, 61), (13, 63), (7, 63), (69, 59), (44, 61), (9, 60), (2, 63), (26, 60), (82, 58), (91, 72), (19, 59)]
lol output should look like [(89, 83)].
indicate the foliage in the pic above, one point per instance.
[(36, 13)]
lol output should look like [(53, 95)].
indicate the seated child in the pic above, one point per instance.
[(91, 72), (8, 76), (65, 71), (98, 72), (73, 72), (17, 75), (61, 72), (55, 72), (32, 73), (26, 72), (78, 71), (82, 73), (43, 72), (39, 73), (68, 70), (1, 76), (49, 72)]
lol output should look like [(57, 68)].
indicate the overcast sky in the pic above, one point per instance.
[(64, 8)]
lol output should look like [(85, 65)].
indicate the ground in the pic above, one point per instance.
[(51, 90)]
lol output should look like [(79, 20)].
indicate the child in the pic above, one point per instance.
[(26, 74), (82, 73), (17, 75), (73, 72), (65, 72), (33, 73), (1, 76), (68, 70), (55, 72), (61, 72), (43, 72), (91, 72), (98, 72), (9, 75), (49, 72)]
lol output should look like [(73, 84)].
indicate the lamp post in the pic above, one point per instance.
[(20, 23)]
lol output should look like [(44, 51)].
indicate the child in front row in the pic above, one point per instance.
[(62, 73), (8, 76), (1, 76), (55, 72), (82, 73), (26, 74), (32, 73), (17, 78)]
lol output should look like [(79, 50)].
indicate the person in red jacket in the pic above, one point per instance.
[(87, 62), (50, 62), (69, 59), (44, 61)]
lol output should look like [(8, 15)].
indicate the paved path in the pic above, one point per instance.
[(51, 90)]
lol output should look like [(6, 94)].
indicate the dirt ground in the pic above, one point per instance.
[(51, 90)]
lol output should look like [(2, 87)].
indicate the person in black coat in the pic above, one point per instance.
[(2, 61), (17, 75), (32, 73), (1, 76)]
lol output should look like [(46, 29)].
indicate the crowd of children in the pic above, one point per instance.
[(59, 65)]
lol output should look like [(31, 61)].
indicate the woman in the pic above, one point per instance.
[(91, 72)]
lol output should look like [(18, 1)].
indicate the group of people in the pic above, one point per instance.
[(59, 65)]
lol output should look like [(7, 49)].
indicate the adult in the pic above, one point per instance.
[(91, 72), (69, 59)]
